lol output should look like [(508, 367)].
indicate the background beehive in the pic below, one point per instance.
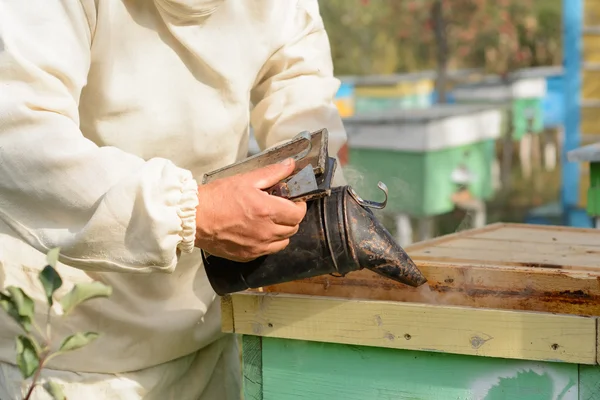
[(590, 87)]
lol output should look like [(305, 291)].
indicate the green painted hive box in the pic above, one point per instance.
[(423, 156), (523, 96), (510, 313), (590, 154)]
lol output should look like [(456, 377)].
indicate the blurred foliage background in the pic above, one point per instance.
[(398, 36)]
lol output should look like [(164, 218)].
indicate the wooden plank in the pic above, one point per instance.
[(590, 119), (525, 233), (252, 364), (553, 260), (544, 234), (302, 370), (452, 236), (227, 324), (458, 330), (591, 48), (479, 286), (590, 85), (556, 248), (584, 184), (591, 13), (565, 256)]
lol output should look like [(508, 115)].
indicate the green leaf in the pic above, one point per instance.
[(27, 358), (55, 390), (19, 306), (22, 301), (52, 256), (82, 292), (77, 341), (51, 281), (8, 305)]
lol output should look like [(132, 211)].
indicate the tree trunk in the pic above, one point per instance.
[(441, 40)]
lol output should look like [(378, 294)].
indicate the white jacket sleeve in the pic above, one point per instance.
[(108, 210), (296, 88)]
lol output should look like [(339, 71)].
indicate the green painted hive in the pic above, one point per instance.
[(523, 97), (590, 154), (423, 156)]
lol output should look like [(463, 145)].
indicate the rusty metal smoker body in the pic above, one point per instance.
[(338, 235)]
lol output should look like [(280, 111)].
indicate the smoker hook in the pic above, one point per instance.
[(368, 203)]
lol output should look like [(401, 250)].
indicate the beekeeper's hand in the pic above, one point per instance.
[(236, 219)]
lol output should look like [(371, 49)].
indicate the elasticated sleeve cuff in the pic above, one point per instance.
[(187, 213)]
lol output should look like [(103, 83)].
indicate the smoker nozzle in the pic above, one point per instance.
[(375, 248)]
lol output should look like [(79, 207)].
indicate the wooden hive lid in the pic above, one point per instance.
[(517, 246), (503, 266)]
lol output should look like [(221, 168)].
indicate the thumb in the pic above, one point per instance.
[(268, 176)]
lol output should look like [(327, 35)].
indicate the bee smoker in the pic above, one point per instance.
[(338, 235)]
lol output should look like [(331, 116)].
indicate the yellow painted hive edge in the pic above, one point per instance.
[(422, 327)]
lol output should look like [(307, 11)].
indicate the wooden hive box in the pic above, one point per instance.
[(511, 310)]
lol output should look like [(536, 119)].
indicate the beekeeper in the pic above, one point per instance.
[(110, 113)]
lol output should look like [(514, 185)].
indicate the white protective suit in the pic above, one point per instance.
[(110, 113)]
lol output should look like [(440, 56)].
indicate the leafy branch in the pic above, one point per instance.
[(34, 347)]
